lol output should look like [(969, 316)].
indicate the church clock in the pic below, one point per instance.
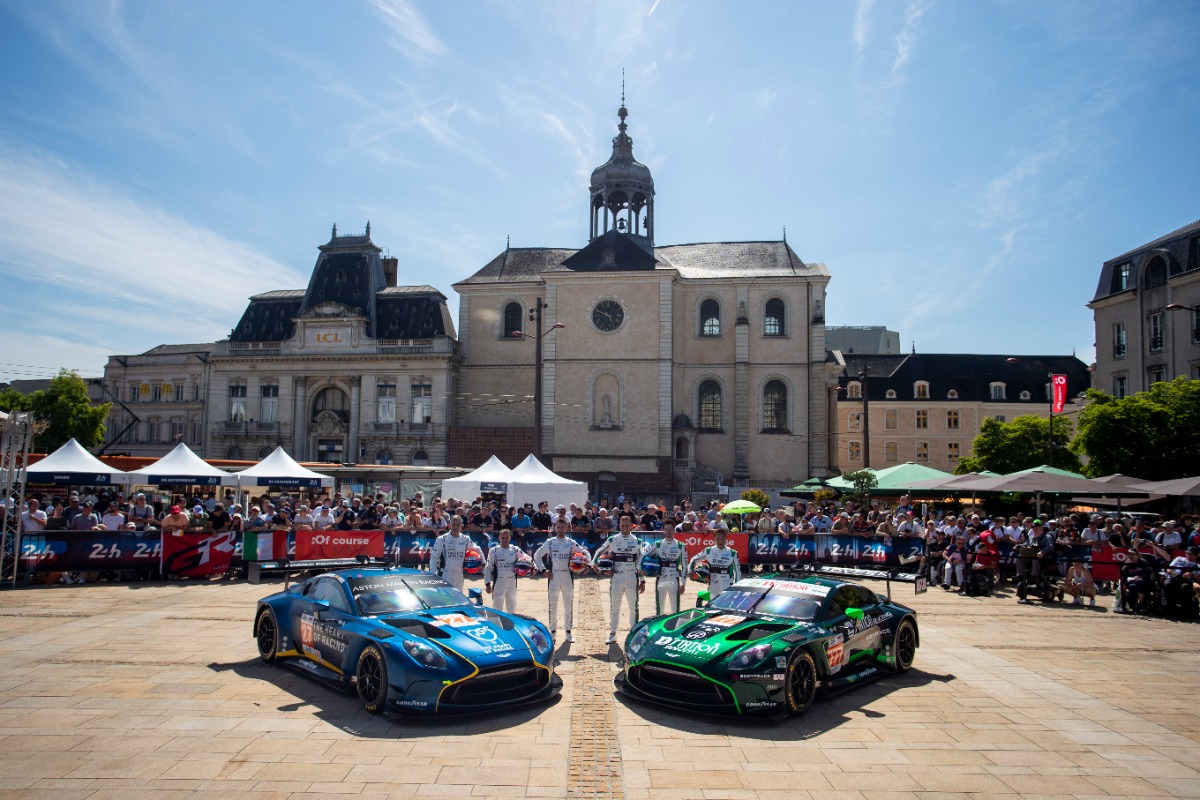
[(608, 315)]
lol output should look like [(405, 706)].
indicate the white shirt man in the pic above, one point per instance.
[(324, 519), (672, 559), (113, 519), (1169, 537), (723, 567), (1092, 533), (500, 573), (33, 520), (627, 581), (557, 551), (448, 553)]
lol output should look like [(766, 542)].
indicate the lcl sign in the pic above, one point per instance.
[(327, 337)]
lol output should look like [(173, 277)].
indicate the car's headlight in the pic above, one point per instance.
[(749, 657), (638, 641), (541, 642), (425, 655)]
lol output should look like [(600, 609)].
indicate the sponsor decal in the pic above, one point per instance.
[(675, 646), (761, 704), (482, 634), (835, 652), (863, 624), (413, 703), (780, 662), (308, 665), (766, 676), (306, 629), (455, 620), (726, 620)]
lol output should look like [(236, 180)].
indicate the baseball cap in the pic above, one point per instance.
[(198, 510), (174, 509), (1037, 523)]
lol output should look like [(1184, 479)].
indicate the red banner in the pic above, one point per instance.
[(695, 542), (311, 545), (1059, 384), (195, 555)]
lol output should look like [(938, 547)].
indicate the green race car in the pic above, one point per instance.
[(765, 646)]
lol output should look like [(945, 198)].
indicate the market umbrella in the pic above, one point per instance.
[(741, 507), (895, 480), (1179, 487), (806, 488), (1039, 482)]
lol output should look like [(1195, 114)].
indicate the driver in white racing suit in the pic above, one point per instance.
[(500, 574), (723, 568), (672, 556), (449, 549), (627, 580), (559, 548)]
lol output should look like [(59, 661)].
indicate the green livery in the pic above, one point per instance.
[(765, 646)]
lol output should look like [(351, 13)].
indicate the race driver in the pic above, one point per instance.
[(723, 568), (449, 549), (559, 548), (627, 581), (500, 575), (672, 556)]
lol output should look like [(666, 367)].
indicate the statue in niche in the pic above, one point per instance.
[(606, 420)]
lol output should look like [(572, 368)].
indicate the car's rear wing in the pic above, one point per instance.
[(256, 569), (919, 580)]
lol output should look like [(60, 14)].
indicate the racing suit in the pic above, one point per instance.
[(562, 582), (500, 572), (723, 568), (672, 555), (626, 552), (446, 559)]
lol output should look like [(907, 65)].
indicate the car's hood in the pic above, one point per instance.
[(470, 631), (701, 637)]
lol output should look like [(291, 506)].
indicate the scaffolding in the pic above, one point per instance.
[(17, 436)]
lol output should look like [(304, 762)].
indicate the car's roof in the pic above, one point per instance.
[(375, 572), (810, 580)]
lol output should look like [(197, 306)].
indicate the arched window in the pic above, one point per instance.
[(681, 449), (710, 318), (773, 319), (332, 399), (234, 453), (263, 452), (774, 408), (383, 456), (420, 459), (514, 316), (710, 406), (1156, 272)]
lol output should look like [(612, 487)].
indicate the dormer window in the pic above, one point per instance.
[(1025, 395), (890, 394), (921, 390), (854, 390), (998, 391), (952, 394)]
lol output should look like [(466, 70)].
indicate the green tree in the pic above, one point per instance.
[(62, 412), (864, 481), (1019, 444), (1153, 435), (758, 497)]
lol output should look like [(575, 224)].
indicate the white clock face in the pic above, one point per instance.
[(608, 315)]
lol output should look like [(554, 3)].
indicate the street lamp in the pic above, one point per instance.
[(862, 377), (1050, 374), (535, 316)]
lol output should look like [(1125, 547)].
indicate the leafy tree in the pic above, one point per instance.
[(864, 480), (1019, 444), (62, 412), (757, 496), (1153, 435), (823, 496)]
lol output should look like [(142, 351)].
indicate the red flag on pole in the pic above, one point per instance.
[(1059, 383)]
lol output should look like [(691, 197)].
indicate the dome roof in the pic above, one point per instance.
[(621, 168)]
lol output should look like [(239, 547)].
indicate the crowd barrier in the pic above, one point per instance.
[(200, 554)]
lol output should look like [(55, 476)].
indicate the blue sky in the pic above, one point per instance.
[(962, 168)]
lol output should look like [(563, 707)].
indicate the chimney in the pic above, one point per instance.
[(390, 266)]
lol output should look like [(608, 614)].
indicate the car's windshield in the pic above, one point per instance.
[(393, 594), (793, 601)]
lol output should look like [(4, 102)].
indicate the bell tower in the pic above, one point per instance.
[(622, 190)]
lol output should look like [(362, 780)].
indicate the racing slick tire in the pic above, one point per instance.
[(905, 646), (371, 680), (801, 683), (266, 635)]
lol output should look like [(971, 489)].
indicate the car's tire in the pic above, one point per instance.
[(266, 635), (904, 646), (371, 679), (800, 686)]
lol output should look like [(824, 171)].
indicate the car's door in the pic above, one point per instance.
[(323, 611), (861, 636)]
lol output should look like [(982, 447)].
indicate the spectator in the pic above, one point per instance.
[(33, 520), (1169, 537), (324, 519), (113, 519), (86, 519), (199, 520), (1079, 584)]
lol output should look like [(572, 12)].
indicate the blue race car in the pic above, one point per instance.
[(407, 641)]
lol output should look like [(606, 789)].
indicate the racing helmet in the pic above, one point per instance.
[(651, 564), (604, 565), (700, 571), (580, 563), (473, 561), (524, 565)]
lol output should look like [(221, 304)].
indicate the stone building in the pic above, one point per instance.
[(667, 369), (354, 368), (1147, 314)]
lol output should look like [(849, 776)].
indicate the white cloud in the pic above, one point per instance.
[(413, 36), (907, 38), (860, 23)]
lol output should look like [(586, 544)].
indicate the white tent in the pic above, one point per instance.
[(71, 465), (493, 476), (532, 482), (181, 467), (280, 469)]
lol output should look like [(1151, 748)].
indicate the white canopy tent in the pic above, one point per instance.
[(532, 482), (493, 476), (181, 467), (280, 469), (73, 465)]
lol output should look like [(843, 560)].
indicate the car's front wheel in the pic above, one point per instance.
[(801, 684), (266, 634), (372, 680), (905, 647)]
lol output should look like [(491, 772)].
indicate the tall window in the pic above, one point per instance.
[(710, 406), (922, 452), (420, 458), (332, 399), (154, 431), (855, 420), (1157, 375), (176, 430), (855, 453), (775, 406), (179, 393), (234, 453), (891, 452), (196, 431), (237, 402), (952, 452), (1120, 386), (422, 402), (998, 391), (513, 318), (383, 456), (1195, 324), (952, 420), (1156, 272), (710, 318), (922, 419), (773, 319), (157, 393), (1119, 340), (385, 404), (1156, 331), (854, 390), (1121, 277), (891, 419), (268, 404), (921, 390)]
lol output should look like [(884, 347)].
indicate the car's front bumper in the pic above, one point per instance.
[(688, 689)]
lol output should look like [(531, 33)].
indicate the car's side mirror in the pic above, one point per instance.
[(476, 596), (703, 598), (322, 608), (855, 613)]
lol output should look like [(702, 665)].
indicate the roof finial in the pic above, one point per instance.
[(622, 86), (335, 230), (622, 112), (507, 242), (368, 229), (785, 234), (914, 347)]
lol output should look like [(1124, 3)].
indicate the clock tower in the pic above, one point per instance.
[(622, 191)]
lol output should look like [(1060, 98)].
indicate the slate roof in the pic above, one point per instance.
[(971, 375), (612, 251), (412, 316), (1181, 257), (268, 320)]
